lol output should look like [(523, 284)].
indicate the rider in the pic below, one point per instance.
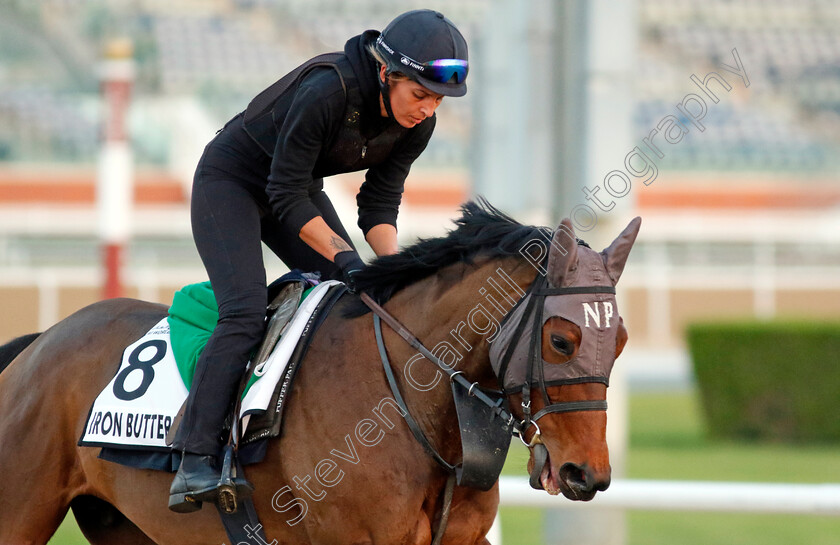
[(261, 179)]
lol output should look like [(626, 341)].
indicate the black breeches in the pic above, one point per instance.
[(228, 225)]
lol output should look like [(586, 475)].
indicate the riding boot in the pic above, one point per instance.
[(196, 482)]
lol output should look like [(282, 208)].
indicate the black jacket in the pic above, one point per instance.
[(314, 139)]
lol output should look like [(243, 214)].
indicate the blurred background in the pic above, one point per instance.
[(717, 121)]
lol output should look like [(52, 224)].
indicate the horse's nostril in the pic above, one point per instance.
[(577, 477)]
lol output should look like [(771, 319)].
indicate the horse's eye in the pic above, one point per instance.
[(562, 345)]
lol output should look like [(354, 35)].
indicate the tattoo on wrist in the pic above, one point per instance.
[(339, 244)]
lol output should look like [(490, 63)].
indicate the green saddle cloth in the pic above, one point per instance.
[(192, 318)]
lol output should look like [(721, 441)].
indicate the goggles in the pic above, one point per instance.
[(439, 71)]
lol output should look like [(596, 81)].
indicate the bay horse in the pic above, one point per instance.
[(346, 468)]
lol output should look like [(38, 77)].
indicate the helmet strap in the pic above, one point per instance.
[(385, 90)]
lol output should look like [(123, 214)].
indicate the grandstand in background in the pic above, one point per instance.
[(222, 52), (743, 219)]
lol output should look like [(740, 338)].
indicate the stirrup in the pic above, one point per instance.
[(231, 489), (227, 493)]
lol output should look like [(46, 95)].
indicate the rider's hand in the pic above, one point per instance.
[(349, 263)]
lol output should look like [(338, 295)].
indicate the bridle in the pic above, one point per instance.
[(496, 400), (534, 300)]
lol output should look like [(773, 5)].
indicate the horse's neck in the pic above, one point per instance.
[(466, 305), (455, 314)]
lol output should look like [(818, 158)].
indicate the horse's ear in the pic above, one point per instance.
[(615, 256), (562, 254)]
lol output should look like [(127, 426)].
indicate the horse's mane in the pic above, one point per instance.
[(481, 229)]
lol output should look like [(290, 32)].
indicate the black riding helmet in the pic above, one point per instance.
[(428, 48)]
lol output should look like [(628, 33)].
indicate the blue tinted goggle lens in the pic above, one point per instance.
[(443, 70)]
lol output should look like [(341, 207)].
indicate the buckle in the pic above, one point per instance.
[(536, 439)]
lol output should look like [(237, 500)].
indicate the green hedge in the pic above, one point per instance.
[(771, 381)]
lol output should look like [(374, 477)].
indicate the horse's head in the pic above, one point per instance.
[(554, 355)]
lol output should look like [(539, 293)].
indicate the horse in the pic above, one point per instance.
[(346, 468)]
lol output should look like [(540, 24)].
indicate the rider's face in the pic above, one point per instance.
[(410, 101)]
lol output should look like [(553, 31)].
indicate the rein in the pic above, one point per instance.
[(472, 388)]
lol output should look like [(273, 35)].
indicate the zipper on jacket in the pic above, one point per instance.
[(364, 151)]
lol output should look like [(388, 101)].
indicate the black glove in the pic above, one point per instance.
[(349, 263)]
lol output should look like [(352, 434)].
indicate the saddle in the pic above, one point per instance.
[(286, 295), (267, 424)]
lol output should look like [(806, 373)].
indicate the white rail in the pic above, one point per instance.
[(812, 499)]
